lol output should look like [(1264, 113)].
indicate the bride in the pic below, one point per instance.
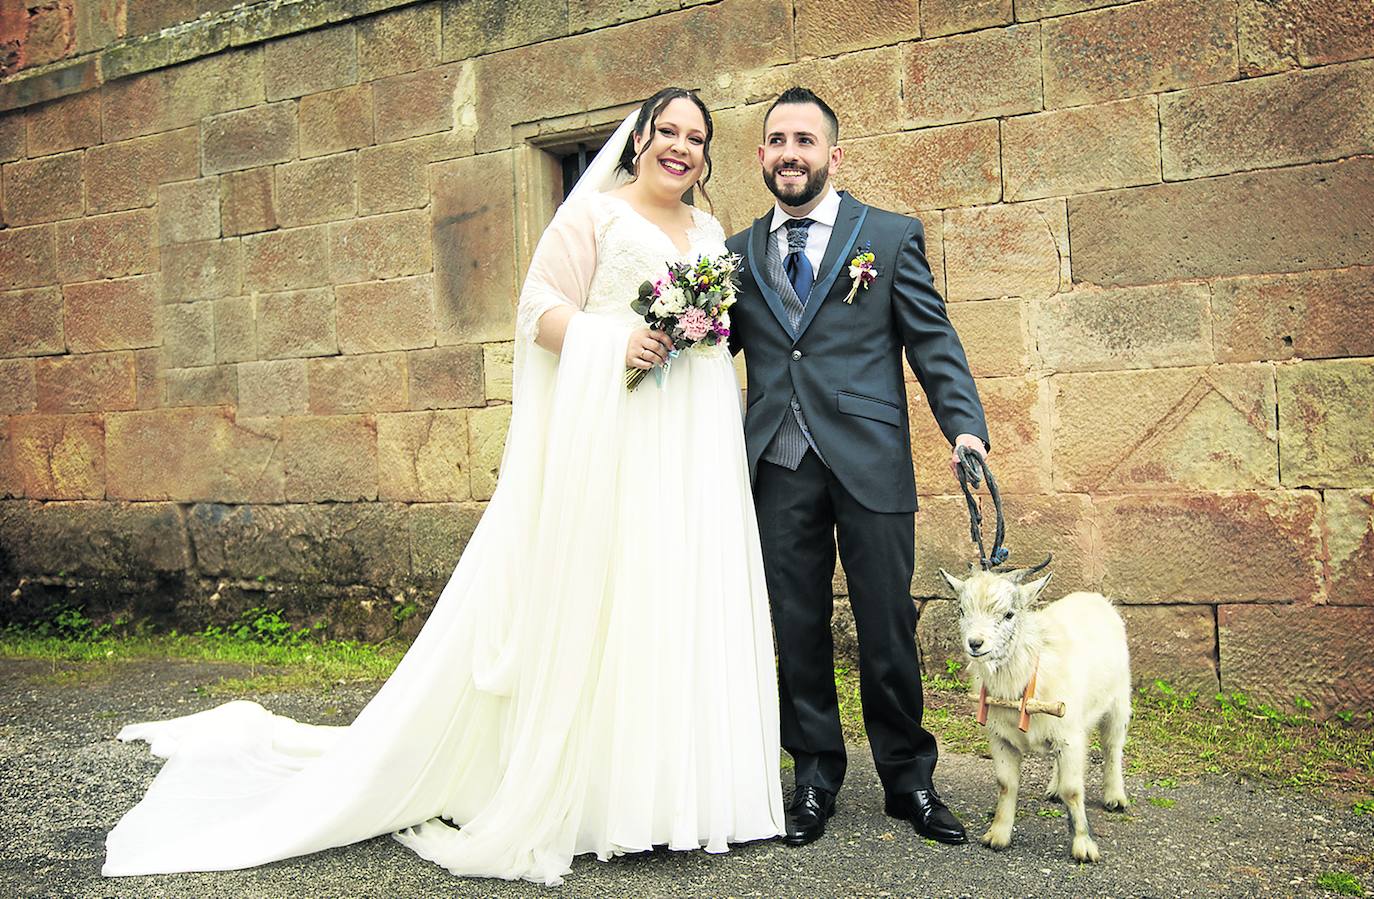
[(597, 676)]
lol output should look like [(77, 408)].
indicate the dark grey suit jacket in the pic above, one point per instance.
[(844, 364)]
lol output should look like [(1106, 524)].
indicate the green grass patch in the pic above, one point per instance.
[(1342, 882), (1161, 802)]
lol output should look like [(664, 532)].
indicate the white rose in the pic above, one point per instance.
[(658, 309), (673, 300)]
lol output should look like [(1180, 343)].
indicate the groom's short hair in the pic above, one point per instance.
[(803, 95)]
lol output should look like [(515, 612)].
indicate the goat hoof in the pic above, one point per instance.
[(1085, 850), (1117, 804), (996, 841), (1052, 796)]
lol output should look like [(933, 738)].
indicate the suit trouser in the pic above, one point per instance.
[(802, 515)]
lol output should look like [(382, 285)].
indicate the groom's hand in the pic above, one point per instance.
[(973, 443)]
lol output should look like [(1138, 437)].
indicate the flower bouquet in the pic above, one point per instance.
[(690, 304)]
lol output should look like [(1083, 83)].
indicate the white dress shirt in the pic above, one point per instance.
[(817, 236)]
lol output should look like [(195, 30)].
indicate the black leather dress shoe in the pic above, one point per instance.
[(928, 814), (807, 813)]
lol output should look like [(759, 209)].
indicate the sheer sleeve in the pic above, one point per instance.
[(562, 266)]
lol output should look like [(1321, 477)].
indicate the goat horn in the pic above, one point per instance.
[(1019, 575)]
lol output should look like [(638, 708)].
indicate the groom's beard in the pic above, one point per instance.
[(798, 196)]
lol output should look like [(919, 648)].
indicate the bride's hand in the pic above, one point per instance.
[(647, 348)]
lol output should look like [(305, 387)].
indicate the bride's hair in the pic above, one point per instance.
[(648, 119)]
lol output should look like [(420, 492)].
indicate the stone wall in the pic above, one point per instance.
[(257, 270)]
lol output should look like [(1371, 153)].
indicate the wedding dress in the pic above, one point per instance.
[(597, 675)]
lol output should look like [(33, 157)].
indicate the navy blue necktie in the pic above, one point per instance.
[(797, 266)]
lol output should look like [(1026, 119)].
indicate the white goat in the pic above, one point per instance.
[(1079, 646)]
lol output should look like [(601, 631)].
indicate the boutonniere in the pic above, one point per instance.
[(863, 271)]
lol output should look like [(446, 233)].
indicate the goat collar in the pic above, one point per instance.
[(1026, 694)]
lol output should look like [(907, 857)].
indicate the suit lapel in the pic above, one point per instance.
[(758, 248), (837, 253)]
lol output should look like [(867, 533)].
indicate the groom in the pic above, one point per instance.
[(830, 456)]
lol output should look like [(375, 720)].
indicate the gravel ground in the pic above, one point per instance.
[(64, 782)]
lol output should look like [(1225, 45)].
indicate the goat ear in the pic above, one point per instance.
[(954, 583), (1030, 592)]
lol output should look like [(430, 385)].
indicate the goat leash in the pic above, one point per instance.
[(972, 468)]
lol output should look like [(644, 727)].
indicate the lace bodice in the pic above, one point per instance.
[(596, 253)]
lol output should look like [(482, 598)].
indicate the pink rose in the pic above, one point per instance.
[(694, 323)]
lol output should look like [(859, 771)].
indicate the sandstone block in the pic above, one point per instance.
[(286, 260), (1325, 426), (10, 485), (1314, 217), (12, 128), (107, 246), (416, 103), (343, 384), (475, 287), (43, 190), (193, 454), (246, 202), (932, 168), (737, 190), (1312, 315), (402, 40), (482, 26), (33, 322), (211, 385), (1285, 34), (1279, 120), (937, 636), (28, 257), (1277, 654), (336, 120), (296, 323), (392, 177), (128, 540), (997, 251), (498, 363), (204, 270), (90, 382), (1134, 327), (69, 123), (235, 330), (112, 315), (423, 456), (1175, 644), (531, 84), (273, 387), (188, 334), (588, 15), (260, 135), (330, 458), (487, 429), (940, 17), (1239, 547), (1064, 526), (346, 543), (1199, 428), (59, 456), (993, 335), (1139, 48), (316, 190), (1018, 421), (824, 29), (1027, 10), (378, 316), (380, 247), (150, 380), (1074, 151), (447, 377), (125, 175), (958, 79), (311, 62), (18, 386), (1349, 518), (188, 211), (439, 532)]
